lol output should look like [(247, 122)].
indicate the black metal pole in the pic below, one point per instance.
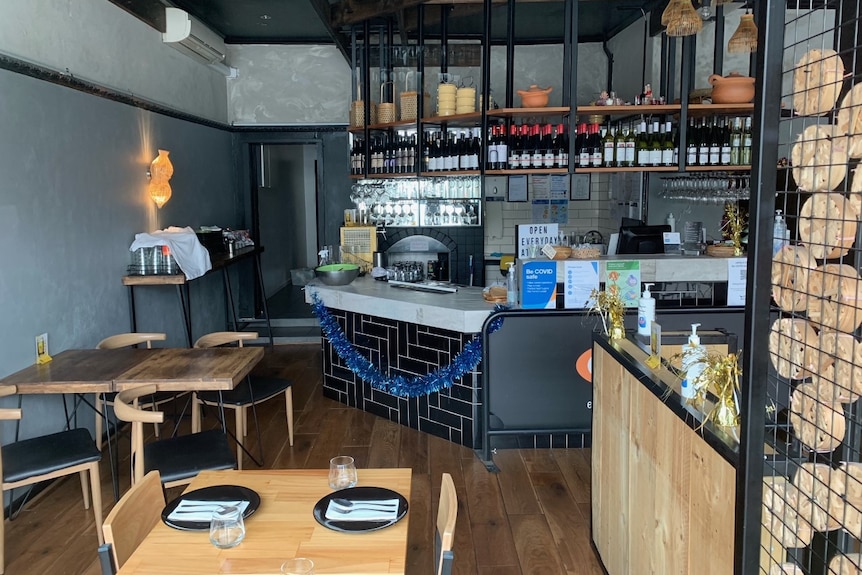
[(767, 110)]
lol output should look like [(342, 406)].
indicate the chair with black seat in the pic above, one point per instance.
[(103, 399), (30, 461), (447, 514), (178, 459), (253, 390), (133, 517)]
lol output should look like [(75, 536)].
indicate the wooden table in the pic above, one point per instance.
[(78, 371), (283, 527), (107, 370), (191, 369), (220, 261)]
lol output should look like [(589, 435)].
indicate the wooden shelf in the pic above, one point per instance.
[(450, 173), (627, 169), (388, 126), (528, 112), (526, 172), (699, 110), (470, 119), (627, 110), (718, 169)]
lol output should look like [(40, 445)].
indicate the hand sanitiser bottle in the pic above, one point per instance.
[(646, 311), (779, 233), (511, 290), (693, 358)]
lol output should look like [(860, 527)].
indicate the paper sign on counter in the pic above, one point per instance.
[(737, 270), (581, 278)]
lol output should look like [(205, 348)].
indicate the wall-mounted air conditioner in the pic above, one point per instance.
[(191, 37)]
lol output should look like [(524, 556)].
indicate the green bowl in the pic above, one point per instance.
[(337, 274)]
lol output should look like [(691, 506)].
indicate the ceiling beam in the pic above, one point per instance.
[(348, 12), (342, 41)]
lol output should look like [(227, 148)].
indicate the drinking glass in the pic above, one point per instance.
[(342, 472), (227, 528), (298, 566)]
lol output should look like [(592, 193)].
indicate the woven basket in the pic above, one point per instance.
[(386, 112), (357, 113), (410, 105)]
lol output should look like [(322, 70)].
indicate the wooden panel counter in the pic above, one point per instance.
[(663, 488)]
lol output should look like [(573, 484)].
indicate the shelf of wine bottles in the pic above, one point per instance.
[(716, 141)]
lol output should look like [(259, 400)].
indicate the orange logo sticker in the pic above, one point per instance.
[(584, 365)]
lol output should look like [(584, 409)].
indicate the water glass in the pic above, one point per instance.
[(298, 566), (227, 528), (342, 472)]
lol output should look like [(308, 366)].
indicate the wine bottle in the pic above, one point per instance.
[(745, 157), (656, 143), (526, 149), (561, 147), (630, 147), (548, 146), (514, 161), (641, 146), (502, 149), (583, 159), (703, 144), (714, 143), (410, 166), (620, 145), (724, 159), (608, 148), (426, 152), (667, 150), (595, 146), (736, 142), (693, 143), (537, 153)]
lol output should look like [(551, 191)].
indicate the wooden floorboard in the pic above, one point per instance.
[(531, 517)]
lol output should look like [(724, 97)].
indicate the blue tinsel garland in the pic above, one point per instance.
[(414, 386)]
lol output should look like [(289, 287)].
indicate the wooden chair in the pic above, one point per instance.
[(447, 514), (253, 390), (133, 517), (104, 399), (31, 461), (178, 459)]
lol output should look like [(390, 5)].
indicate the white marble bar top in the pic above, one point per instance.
[(662, 268), (464, 311)]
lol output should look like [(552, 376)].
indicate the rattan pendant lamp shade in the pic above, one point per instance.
[(670, 12), (686, 22), (744, 40)]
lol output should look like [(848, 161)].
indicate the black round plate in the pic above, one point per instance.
[(212, 493), (359, 494)]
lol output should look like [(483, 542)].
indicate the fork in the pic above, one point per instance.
[(360, 506)]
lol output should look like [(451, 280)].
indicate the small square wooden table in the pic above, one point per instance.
[(283, 527)]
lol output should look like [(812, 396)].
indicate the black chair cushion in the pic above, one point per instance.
[(158, 397), (262, 386), (48, 453), (187, 455)]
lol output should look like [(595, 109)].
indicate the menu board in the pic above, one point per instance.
[(531, 238), (624, 278)]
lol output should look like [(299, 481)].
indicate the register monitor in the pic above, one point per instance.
[(642, 239)]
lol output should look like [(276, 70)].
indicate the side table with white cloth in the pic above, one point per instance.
[(194, 265)]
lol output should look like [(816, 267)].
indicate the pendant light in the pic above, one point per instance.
[(670, 12), (161, 170), (744, 40), (687, 22)]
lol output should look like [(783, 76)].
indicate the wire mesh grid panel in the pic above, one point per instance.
[(812, 489)]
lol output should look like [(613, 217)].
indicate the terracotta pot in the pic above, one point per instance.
[(535, 97), (732, 89)]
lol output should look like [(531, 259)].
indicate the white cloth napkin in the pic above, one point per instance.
[(196, 510), (192, 257), (334, 513)]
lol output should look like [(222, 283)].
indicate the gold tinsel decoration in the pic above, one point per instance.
[(734, 226), (721, 376), (608, 305), (744, 40), (687, 22)]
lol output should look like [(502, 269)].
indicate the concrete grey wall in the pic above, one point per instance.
[(72, 197), (97, 41)]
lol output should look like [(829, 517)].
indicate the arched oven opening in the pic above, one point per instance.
[(448, 254)]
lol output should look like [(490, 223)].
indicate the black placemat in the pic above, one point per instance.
[(213, 493), (359, 494)]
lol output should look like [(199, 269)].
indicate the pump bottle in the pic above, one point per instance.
[(693, 358), (646, 311), (779, 233), (511, 291)]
